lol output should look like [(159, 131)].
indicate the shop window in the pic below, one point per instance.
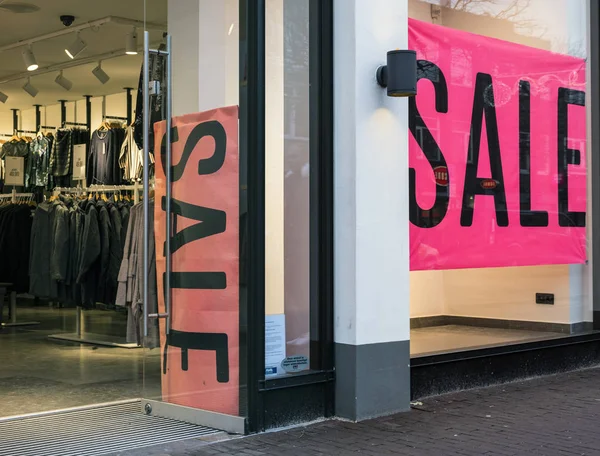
[(287, 189), (489, 271)]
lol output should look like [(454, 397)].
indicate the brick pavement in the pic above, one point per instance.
[(556, 415)]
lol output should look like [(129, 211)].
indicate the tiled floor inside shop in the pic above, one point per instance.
[(39, 374), (448, 338)]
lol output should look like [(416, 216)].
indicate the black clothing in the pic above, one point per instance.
[(61, 156), (18, 148), (88, 271), (41, 283), (15, 232), (157, 64), (103, 158)]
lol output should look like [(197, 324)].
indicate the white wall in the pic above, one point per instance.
[(371, 158), (508, 293), (427, 294), (116, 105)]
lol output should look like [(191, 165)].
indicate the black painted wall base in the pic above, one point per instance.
[(289, 401), (440, 374)]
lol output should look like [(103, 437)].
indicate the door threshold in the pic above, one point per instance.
[(67, 410)]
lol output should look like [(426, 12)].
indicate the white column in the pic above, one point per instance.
[(372, 326)]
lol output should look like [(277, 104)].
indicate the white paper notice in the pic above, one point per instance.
[(274, 344), (79, 162), (14, 171)]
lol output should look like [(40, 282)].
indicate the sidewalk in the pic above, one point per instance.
[(557, 415)]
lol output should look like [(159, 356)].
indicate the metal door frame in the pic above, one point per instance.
[(228, 423)]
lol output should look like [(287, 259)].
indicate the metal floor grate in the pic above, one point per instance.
[(93, 432)]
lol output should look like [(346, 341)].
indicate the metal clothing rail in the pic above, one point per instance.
[(81, 336), (77, 124), (15, 197), (136, 188)]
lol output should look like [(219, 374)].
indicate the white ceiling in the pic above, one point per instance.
[(124, 71)]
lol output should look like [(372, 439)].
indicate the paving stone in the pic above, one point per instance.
[(551, 416)]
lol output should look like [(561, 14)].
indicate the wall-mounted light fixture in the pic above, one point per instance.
[(399, 76)]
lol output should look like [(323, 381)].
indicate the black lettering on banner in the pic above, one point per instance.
[(211, 222), (484, 104), (209, 165), (567, 156), (432, 151), (528, 217)]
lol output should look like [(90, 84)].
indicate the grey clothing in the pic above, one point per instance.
[(130, 290)]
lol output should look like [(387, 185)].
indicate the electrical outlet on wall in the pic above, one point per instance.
[(544, 298)]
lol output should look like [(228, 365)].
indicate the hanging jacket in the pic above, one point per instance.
[(88, 273)]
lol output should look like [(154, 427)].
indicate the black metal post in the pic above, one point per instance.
[(88, 111), (15, 120), (129, 104), (63, 112), (38, 117)]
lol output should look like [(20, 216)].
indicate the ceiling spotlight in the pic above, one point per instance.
[(100, 74), (3, 97), (63, 82), (30, 89), (76, 48), (131, 43), (29, 59)]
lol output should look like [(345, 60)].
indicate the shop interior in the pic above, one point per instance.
[(457, 310), (69, 83)]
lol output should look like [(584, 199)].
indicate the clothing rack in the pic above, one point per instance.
[(75, 124), (12, 313), (136, 188), (80, 335), (26, 131), (115, 118), (14, 196)]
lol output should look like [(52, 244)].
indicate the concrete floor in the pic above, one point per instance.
[(38, 374), (449, 338)]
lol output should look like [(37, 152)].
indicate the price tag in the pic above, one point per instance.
[(79, 162), (14, 172)]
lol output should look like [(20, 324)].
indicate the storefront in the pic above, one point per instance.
[(165, 269), (492, 279), (215, 215)]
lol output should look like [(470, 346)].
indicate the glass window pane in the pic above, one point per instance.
[(498, 151), (287, 184)]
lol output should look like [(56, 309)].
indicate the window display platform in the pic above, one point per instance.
[(39, 374), (440, 373), (451, 338)]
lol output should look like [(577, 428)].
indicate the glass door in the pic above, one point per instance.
[(190, 214)]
